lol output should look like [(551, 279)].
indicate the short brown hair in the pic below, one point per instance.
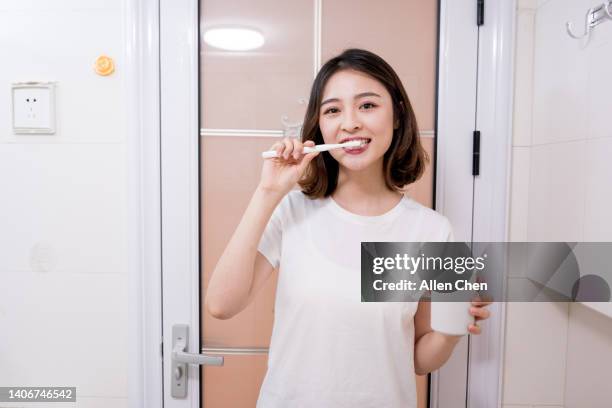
[(404, 161)]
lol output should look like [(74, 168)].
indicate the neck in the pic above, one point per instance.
[(364, 191)]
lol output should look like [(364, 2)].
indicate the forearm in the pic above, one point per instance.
[(232, 277), (432, 350)]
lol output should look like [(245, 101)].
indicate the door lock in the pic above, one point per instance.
[(181, 358)]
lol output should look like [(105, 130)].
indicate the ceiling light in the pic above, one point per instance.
[(234, 39)]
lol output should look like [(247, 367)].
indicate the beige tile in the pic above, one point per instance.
[(70, 328), (541, 3), (536, 335), (560, 76), (94, 402), (589, 358), (519, 200), (523, 78), (557, 192), (599, 91), (598, 195), (70, 207), (527, 4)]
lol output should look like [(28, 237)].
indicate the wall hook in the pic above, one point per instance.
[(587, 26), (606, 9), (594, 16)]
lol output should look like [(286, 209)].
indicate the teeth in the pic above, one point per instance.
[(363, 141)]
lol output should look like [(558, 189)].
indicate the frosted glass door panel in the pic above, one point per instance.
[(404, 33), (255, 89), (244, 97)]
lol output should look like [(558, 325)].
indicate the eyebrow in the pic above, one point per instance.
[(361, 95)]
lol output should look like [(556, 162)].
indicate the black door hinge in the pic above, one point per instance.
[(476, 153), (479, 12)]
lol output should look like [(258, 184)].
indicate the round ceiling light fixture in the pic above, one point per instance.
[(234, 38)]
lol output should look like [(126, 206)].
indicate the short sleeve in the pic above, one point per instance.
[(450, 236), (271, 240)]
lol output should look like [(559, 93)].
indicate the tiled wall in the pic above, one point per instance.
[(63, 238), (558, 355)]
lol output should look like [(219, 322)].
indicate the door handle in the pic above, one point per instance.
[(180, 359)]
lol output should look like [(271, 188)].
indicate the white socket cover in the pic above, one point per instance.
[(33, 106)]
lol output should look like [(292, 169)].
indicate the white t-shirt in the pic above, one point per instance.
[(328, 349)]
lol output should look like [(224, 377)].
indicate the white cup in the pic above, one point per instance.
[(451, 317)]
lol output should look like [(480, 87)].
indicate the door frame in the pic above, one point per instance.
[(455, 121), (490, 189), (140, 27), (492, 186), (172, 129)]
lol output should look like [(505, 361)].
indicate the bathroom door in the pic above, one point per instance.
[(220, 109)]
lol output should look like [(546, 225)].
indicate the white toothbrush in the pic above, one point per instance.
[(319, 148)]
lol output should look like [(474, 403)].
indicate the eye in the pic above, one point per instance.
[(368, 105), (330, 110)]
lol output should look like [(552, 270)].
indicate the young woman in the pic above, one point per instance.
[(328, 349)]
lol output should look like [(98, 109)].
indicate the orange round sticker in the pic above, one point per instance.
[(104, 65)]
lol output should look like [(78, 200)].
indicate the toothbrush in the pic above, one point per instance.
[(319, 148)]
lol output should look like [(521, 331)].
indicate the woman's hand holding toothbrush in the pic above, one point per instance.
[(279, 174)]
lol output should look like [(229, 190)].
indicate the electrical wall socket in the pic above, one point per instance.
[(33, 107)]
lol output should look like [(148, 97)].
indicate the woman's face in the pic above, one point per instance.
[(355, 105)]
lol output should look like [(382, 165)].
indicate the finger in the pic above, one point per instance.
[(479, 312), (474, 329), (278, 147), (480, 303), (288, 148), (297, 149)]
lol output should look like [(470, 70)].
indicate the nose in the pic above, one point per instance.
[(350, 121)]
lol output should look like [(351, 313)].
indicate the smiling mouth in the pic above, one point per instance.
[(366, 139)]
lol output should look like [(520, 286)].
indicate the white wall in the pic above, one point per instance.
[(63, 204), (557, 354)]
